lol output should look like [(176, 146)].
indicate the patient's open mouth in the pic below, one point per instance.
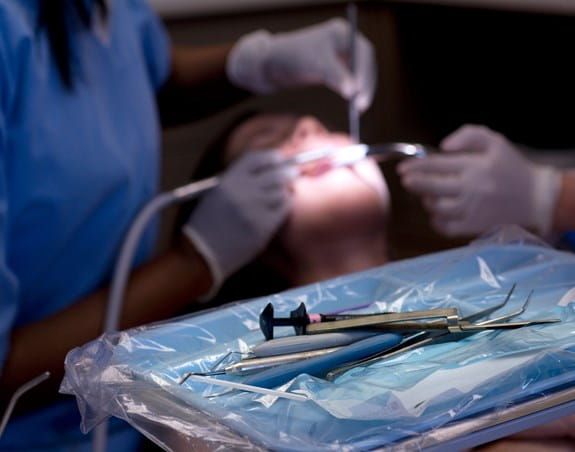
[(316, 168)]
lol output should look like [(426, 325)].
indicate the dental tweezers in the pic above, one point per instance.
[(446, 320), (435, 337)]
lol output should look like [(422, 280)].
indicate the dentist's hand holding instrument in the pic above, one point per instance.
[(262, 62), (234, 221)]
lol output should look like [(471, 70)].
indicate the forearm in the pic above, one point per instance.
[(564, 213), (192, 67), (155, 291), (198, 84)]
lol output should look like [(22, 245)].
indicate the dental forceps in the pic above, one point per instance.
[(446, 320), (441, 319), (436, 337)]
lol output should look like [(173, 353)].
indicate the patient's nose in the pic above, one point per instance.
[(307, 130)]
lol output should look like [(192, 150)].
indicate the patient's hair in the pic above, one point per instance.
[(59, 19)]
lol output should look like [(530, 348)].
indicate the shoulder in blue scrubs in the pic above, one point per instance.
[(75, 167)]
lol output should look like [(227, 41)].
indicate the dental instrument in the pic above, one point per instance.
[(251, 365), (296, 344), (436, 337), (347, 155), (16, 396), (353, 112), (246, 387), (443, 319), (448, 321), (321, 365)]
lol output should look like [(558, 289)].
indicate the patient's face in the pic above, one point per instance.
[(328, 203)]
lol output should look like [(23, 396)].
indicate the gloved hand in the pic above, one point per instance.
[(262, 62), (491, 183), (235, 220)]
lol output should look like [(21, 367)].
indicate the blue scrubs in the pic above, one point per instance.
[(75, 168)]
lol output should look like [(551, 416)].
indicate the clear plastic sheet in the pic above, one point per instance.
[(134, 374)]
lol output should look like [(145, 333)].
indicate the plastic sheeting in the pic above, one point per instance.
[(134, 375)]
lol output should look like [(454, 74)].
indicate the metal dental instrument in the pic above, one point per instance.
[(507, 316), (431, 319), (297, 344), (252, 365), (353, 112), (436, 337), (347, 155), (386, 150), (321, 365), (17, 394), (450, 321), (246, 387)]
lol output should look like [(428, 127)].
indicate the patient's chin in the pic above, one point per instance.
[(337, 196), (348, 217)]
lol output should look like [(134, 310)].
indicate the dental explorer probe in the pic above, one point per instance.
[(353, 112)]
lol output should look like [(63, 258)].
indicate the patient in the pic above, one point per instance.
[(338, 220)]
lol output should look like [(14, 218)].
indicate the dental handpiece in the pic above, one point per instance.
[(347, 155)]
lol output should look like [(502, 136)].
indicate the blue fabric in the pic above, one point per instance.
[(569, 240), (75, 166)]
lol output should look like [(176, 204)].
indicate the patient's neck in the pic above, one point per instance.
[(320, 260)]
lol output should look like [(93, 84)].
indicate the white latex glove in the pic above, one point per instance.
[(234, 221), (490, 184), (262, 62)]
